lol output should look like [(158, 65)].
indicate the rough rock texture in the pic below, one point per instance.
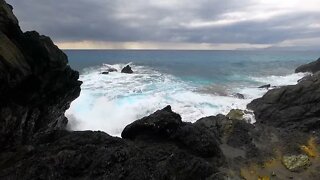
[(291, 107), (312, 67), (296, 162), (127, 70), (167, 125), (189, 153), (37, 85), (267, 86)]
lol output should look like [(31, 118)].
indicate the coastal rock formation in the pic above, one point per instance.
[(291, 107), (312, 67), (37, 85), (127, 70), (267, 86), (167, 125)]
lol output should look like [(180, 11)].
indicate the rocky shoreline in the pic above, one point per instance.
[(37, 87)]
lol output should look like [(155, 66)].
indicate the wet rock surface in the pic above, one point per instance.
[(37, 86), (291, 107), (127, 69)]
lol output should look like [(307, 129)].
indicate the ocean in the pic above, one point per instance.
[(195, 83)]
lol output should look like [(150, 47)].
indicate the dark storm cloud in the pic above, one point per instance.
[(201, 21)]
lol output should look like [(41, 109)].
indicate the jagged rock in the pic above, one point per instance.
[(312, 67), (165, 124), (189, 154), (291, 107), (239, 96), (236, 114), (267, 86), (305, 78), (127, 70), (37, 85), (296, 162)]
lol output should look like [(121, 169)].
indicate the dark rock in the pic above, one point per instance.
[(293, 107), (37, 85), (239, 96), (106, 72), (167, 125), (160, 124), (267, 86), (305, 78), (110, 69), (312, 67), (127, 70)]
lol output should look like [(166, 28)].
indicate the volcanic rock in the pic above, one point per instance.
[(127, 70)]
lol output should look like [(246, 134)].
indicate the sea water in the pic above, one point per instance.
[(195, 83)]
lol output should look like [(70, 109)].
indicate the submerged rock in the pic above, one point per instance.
[(267, 86), (312, 67), (110, 69), (106, 72), (296, 162), (127, 70), (239, 96)]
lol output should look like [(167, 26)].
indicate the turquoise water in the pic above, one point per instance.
[(195, 83)]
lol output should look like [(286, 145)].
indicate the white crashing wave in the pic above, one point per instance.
[(110, 102)]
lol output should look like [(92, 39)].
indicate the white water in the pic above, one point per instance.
[(110, 102)]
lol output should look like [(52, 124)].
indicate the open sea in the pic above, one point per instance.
[(195, 83)]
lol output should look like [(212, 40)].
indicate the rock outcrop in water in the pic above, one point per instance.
[(127, 69), (37, 86)]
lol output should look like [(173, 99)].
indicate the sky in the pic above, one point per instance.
[(174, 24)]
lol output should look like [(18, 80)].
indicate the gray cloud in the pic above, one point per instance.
[(189, 21)]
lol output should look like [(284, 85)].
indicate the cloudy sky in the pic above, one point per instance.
[(174, 24)]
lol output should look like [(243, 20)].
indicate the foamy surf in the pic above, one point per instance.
[(110, 102)]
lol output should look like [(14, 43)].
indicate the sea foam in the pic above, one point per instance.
[(110, 102)]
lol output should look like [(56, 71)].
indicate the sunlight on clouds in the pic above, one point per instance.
[(156, 45)]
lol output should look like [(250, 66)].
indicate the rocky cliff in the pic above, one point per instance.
[(292, 107), (37, 86)]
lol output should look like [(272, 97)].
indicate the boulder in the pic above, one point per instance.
[(236, 114), (162, 123), (165, 125), (296, 162), (239, 96), (312, 67), (127, 70)]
